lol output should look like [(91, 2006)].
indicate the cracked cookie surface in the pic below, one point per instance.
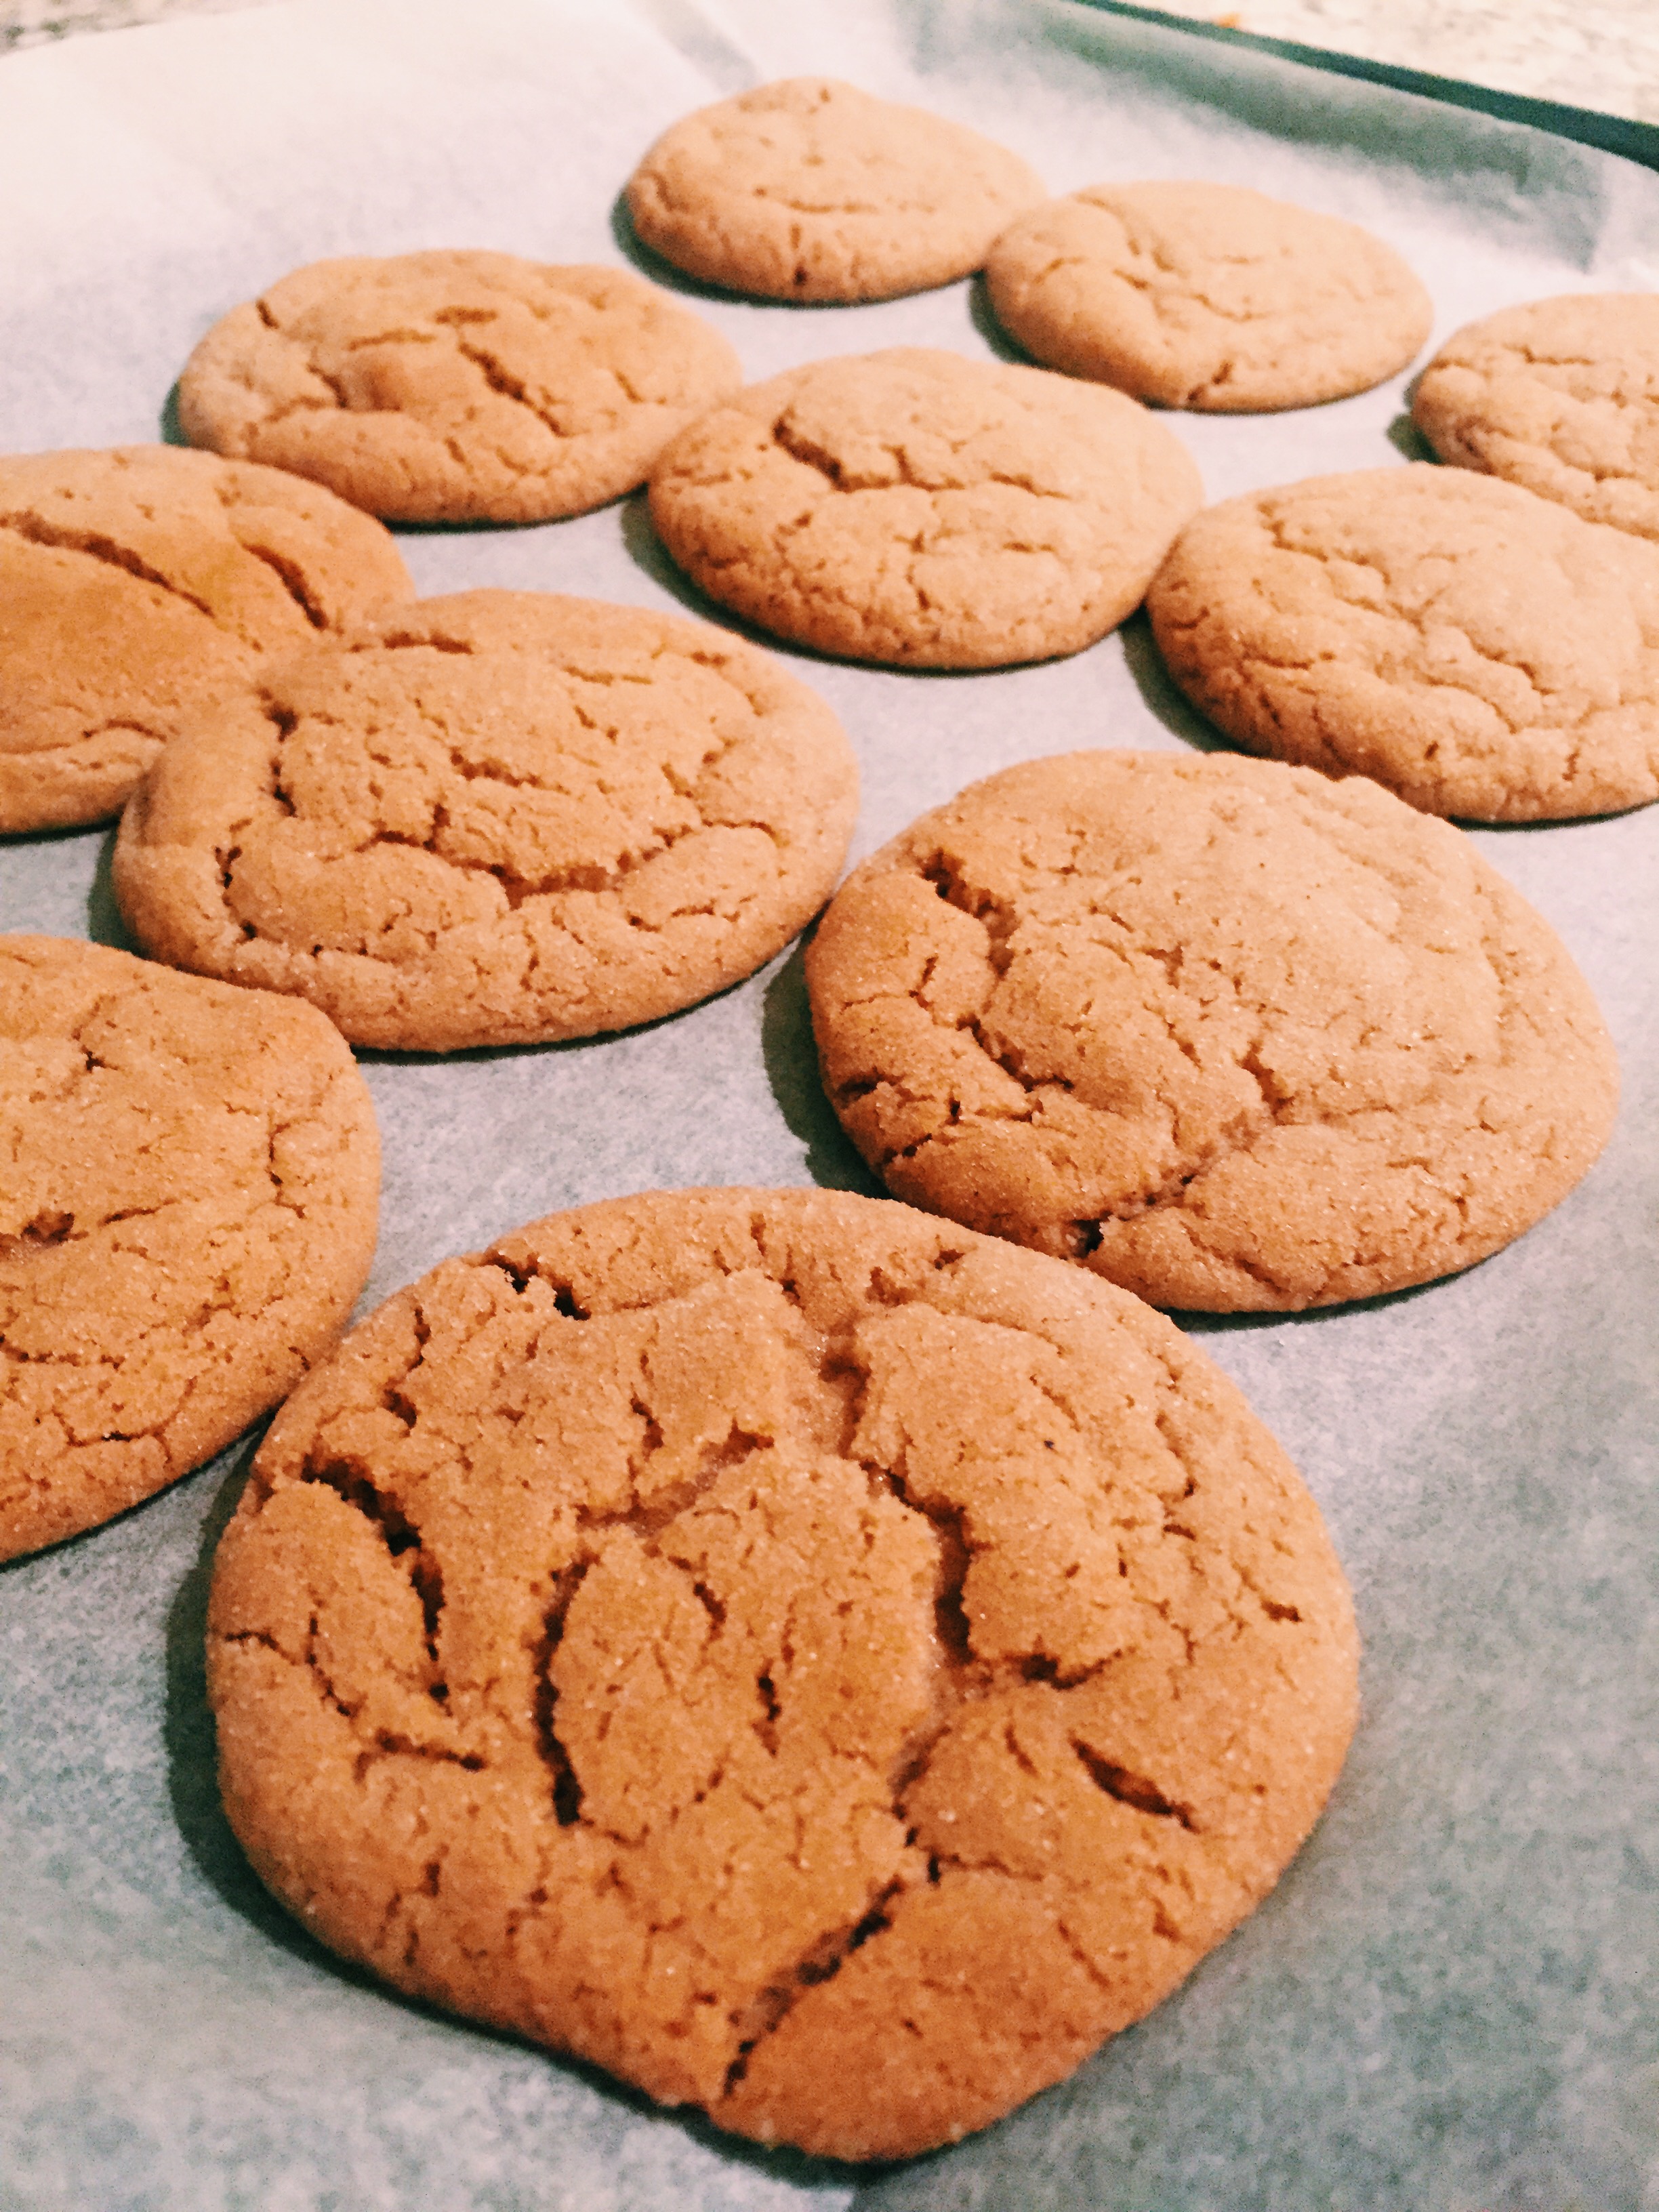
[(496, 818), (1206, 296), (139, 586), (187, 1211), (456, 386), (1561, 396), (821, 1665), (808, 189), (1481, 651), (1231, 1034), (927, 511)]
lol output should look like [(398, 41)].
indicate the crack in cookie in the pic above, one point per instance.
[(139, 588), (1560, 396), (872, 1664), (453, 387), (189, 1212), (1479, 650), (914, 508), (1206, 296), (1232, 1035), (810, 189), (499, 817)]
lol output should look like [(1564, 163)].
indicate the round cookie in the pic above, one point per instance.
[(1561, 396), (456, 386), (1231, 1034), (139, 586), (917, 508), (808, 189), (821, 1665), (496, 818), (188, 1210), (1480, 650), (1207, 296)]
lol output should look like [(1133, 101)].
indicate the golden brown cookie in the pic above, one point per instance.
[(139, 586), (186, 1213), (1206, 296), (808, 189), (1231, 1034), (1480, 650), (1561, 396), (822, 1665), (455, 387), (498, 818), (918, 508)]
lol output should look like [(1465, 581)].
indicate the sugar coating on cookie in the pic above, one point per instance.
[(498, 818), (187, 1211), (138, 585), (808, 189), (456, 386), (1483, 652), (1206, 296), (821, 1665), (918, 508), (1228, 1034), (1559, 395)]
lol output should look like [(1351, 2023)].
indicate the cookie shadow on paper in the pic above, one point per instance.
[(833, 1160), (105, 924), (193, 1758), (1158, 690)]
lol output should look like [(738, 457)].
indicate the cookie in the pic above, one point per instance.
[(810, 189), (137, 586), (455, 387), (188, 1210), (821, 1665), (1480, 650), (919, 509), (497, 818), (1231, 1034), (1561, 396), (1206, 296)]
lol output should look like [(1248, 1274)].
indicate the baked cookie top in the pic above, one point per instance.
[(1206, 296), (454, 386), (1561, 396), (187, 1211), (822, 1665), (808, 189), (915, 507), (1480, 650), (495, 818), (1228, 1034), (137, 586)]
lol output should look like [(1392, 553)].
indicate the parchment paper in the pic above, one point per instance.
[(1449, 2003)]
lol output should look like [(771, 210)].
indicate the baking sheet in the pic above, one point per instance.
[(1451, 2003)]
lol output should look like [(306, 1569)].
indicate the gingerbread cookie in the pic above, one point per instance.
[(499, 817), (139, 586), (810, 189), (825, 1666), (454, 386), (1561, 396), (920, 509), (1231, 1034), (1206, 296), (1480, 650), (187, 1211)]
